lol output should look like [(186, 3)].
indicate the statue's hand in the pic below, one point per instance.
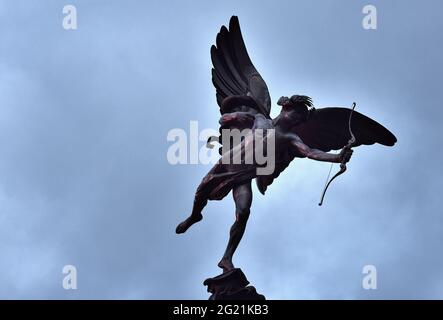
[(346, 154), (227, 117)]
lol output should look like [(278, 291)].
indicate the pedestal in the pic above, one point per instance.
[(231, 285)]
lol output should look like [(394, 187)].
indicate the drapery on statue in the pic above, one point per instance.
[(300, 131)]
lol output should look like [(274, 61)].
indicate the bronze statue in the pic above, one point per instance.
[(300, 131)]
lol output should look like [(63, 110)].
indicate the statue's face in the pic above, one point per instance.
[(288, 117), (290, 114)]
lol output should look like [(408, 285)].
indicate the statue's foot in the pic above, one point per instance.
[(182, 227), (226, 264)]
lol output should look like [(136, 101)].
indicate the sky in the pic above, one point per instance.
[(85, 181)]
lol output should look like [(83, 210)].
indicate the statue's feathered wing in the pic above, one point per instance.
[(327, 129), (233, 73), (239, 86)]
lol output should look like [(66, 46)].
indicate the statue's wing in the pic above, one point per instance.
[(233, 73), (327, 129), (240, 90)]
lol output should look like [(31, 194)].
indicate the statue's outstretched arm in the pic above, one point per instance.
[(316, 154), (238, 116)]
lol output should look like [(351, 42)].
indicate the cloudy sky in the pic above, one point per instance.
[(84, 178)]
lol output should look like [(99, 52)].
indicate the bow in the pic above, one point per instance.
[(343, 168)]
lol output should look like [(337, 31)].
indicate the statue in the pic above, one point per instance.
[(299, 131)]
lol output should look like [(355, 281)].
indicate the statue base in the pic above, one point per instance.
[(232, 285)]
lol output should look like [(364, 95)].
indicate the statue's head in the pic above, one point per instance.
[(294, 110)]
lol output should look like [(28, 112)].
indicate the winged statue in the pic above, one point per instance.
[(299, 131)]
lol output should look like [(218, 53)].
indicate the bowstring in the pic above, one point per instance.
[(332, 163), (329, 174)]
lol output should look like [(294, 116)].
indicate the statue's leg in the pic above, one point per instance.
[(243, 200), (200, 201)]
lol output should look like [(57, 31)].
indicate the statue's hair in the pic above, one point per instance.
[(302, 104), (299, 100)]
